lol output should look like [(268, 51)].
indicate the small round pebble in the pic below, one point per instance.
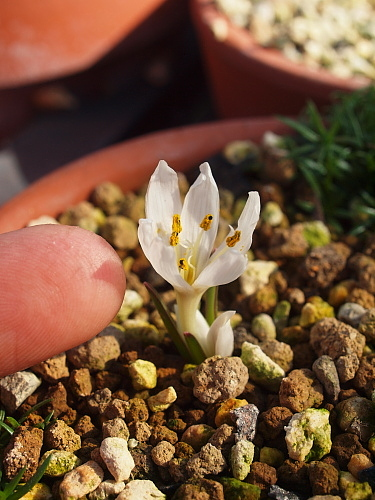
[(115, 454), (357, 463), (141, 489), (143, 374), (351, 313), (241, 457), (217, 379), (162, 453), (81, 481), (15, 388), (162, 400)]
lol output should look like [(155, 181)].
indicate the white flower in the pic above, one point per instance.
[(178, 240)]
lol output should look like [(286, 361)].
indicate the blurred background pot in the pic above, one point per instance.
[(129, 164), (42, 39), (46, 41), (249, 80)]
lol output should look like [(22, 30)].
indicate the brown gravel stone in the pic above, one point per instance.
[(263, 300), (59, 406), (23, 450), (293, 475), (288, 242), (80, 382), (115, 428), (52, 369), (279, 352), (197, 435), (120, 232), (162, 453), (356, 415), (323, 478), (223, 438), (364, 267), (115, 409), (364, 380), (343, 343), (209, 460), (303, 355), (136, 410), (217, 379), (262, 475), (109, 197), (85, 428), (144, 465), (139, 430), (301, 390), (59, 436), (162, 433), (192, 417), (323, 264), (273, 421), (183, 450), (108, 379), (344, 446), (96, 353), (97, 401), (362, 297), (200, 489)]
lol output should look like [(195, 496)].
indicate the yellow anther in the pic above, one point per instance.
[(206, 222), (174, 239), (232, 240), (176, 224), (182, 264)]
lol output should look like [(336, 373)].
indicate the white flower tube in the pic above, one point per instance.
[(178, 241)]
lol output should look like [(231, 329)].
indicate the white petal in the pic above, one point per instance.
[(161, 256), (163, 197), (248, 220), (220, 335), (202, 199), (221, 269), (201, 332)]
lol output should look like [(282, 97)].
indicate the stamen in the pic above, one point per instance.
[(174, 239), (176, 224), (206, 222), (232, 240), (182, 264)]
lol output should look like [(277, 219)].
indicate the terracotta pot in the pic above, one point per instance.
[(44, 39), (249, 80), (129, 164)]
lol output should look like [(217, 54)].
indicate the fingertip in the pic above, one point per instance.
[(60, 286)]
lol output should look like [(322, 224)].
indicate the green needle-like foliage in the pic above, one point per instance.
[(335, 153)]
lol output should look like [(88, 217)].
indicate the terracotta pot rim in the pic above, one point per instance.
[(129, 164), (34, 49), (267, 60)]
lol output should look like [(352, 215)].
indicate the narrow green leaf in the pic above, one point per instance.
[(6, 427), (211, 304), (34, 408), (25, 488), (12, 485), (197, 354), (168, 322), (299, 127)]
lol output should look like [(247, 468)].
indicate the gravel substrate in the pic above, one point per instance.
[(289, 416)]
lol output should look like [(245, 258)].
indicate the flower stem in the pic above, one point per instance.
[(211, 304), (168, 322)]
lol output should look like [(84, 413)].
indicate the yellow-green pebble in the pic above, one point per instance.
[(314, 310), (39, 491), (162, 400), (271, 456), (143, 374), (223, 415)]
